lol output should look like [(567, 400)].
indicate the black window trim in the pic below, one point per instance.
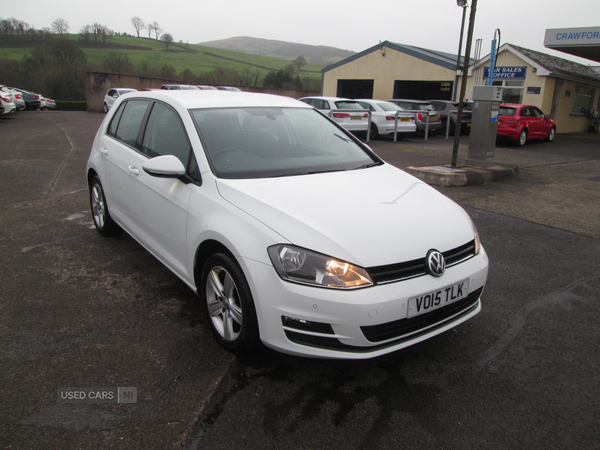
[(187, 178)]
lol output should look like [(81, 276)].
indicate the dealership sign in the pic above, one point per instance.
[(502, 72), (562, 37)]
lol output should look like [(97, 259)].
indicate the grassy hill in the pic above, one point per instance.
[(197, 58), (314, 54)]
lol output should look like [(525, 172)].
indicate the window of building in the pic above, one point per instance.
[(582, 101), (512, 91)]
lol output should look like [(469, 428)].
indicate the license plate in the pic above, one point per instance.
[(405, 119), (356, 117), (432, 117), (438, 299)]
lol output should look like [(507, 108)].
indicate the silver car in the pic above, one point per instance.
[(346, 117), (383, 118), (114, 94), (435, 122)]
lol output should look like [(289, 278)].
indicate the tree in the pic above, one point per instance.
[(300, 62), (167, 39), (156, 29), (138, 24), (60, 26)]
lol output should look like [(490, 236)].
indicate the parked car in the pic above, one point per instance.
[(113, 94), (179, 87), (291, 231), (8, 104), (521, 123), (50, 104), (206, 88), (435, 123), (351, 121), (229, 88), (15, 96), (383, 118), (448, 109), (32, 100), (43, 103)]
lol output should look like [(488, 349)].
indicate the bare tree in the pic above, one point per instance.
[(150, 29), (167, 39), (138, 24), (60, 26), (157, 29)]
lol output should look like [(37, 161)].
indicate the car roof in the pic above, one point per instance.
[(408, 100), (333, 99), (218, 99)]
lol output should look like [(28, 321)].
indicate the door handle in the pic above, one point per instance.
[(134, 170), (104, 150)]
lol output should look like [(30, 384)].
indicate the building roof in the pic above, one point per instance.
[(548, 65), (446, 60)]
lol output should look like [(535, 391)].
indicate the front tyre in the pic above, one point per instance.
[(105, 108), (228, 303), (102, 220), (551, 135)]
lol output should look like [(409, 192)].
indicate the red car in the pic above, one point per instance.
[(523, 122)]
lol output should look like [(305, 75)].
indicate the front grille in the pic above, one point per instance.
[(411, 269), (402, 327)]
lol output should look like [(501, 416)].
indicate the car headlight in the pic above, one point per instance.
[(299, 265), (477, 240)]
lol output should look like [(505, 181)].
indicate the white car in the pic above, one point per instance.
[(342, 110), (383, 118), (291, 231), (15, 96), (113, 94), (7, 103)]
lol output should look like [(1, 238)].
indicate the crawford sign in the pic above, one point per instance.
[(572, 36), (501, 72)]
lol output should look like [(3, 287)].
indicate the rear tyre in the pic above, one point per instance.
[(522, 138), (551, 135), (228, 304), (102, 220), (374, 132), (105, 108)]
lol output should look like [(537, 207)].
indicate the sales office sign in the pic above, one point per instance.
[(506, 72)]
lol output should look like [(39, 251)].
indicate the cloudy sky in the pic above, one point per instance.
[(348, 24)]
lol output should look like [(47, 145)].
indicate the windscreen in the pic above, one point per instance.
[(274, 142)]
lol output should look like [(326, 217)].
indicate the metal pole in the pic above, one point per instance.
[(462, 30), (463, 86)]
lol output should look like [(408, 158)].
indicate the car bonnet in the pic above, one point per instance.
[(374, 216)]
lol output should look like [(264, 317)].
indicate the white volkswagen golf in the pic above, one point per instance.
[(291, 231)]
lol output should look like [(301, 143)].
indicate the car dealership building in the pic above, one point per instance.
[(566, 90)]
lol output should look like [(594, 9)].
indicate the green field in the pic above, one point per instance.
[(197, 58)]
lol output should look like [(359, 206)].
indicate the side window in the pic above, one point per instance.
[(131, 118), (537, 112), (114, 123), (111, 93), (165, 135)]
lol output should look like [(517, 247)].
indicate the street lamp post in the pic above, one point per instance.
[(463, 84), (463, 4)]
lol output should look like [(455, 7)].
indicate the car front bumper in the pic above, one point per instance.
[(328, 323)]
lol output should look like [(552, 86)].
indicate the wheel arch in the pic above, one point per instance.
[(203, 252)]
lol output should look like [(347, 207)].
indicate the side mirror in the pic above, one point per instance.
[(167, 166)]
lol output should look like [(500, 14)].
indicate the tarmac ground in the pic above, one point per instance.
[(81, 311)]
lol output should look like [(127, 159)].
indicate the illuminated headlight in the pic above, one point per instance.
[(477, 240), (299, 265)]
